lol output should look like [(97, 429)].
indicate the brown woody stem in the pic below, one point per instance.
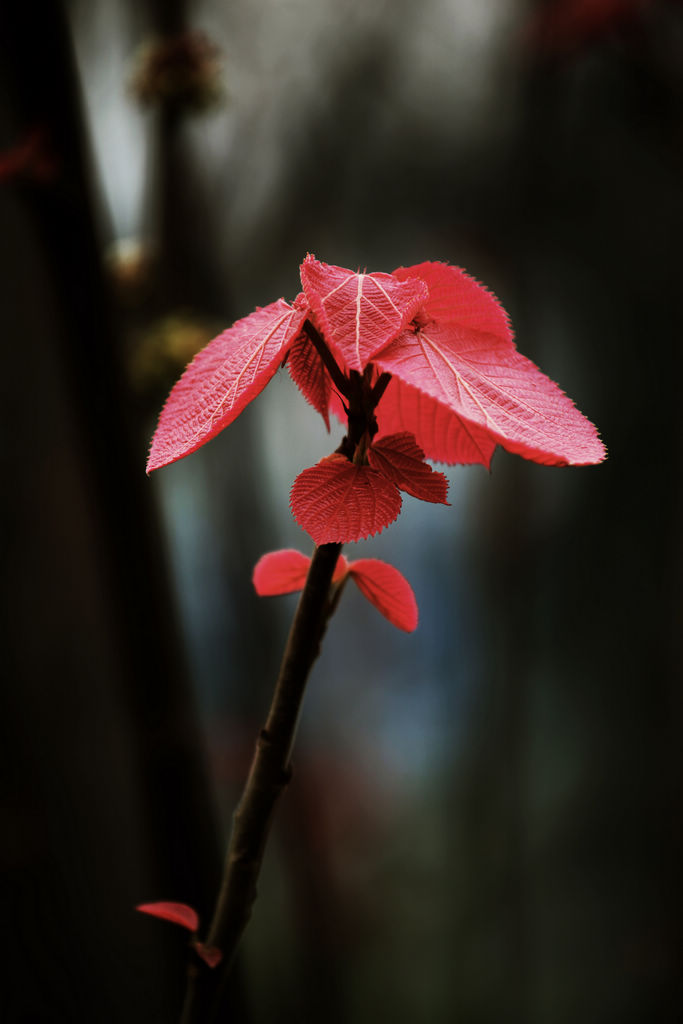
[(341, 382), (268, 776), (380, 387)]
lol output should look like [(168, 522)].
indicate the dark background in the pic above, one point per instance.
[(485, 824)]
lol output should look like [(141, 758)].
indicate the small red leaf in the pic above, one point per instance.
[(337, 501), (280, 572), (440, 432), (399, 458), (388, 590), (211, 955), (340, 570), (177, 913), (308, 372), (358, 314), (284, 572), (222, 379)]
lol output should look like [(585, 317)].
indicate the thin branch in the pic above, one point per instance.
[(269, 775), (340, 380), (379, 388)]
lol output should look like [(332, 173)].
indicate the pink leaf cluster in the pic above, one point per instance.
[(284, 572), (454, 386), (186, 917), (338, 500)]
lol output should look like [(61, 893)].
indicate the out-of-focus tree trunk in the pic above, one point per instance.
[(101, 813)]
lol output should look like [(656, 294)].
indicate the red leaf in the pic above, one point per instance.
[(399, 458), (211, 955), (280, 572), (308, 372), (178, 913), (441, 433), (358, 314), (456, 298), (283, 572), (340, 570), (388, 590), (485, 381), (337, 501), (222, 379)]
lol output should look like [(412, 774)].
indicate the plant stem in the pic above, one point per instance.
[(380, 387), (268, 776), (340, 380)]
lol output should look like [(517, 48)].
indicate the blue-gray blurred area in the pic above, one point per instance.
[(485, 824)]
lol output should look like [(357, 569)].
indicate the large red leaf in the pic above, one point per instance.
[(388, 590), (485, 381), (399, 458), (456, 298), (337, 501), (178, 913), (280, 572), (358, 314), (440, 432), (222, 379)]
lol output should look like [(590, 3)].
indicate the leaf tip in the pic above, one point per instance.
[(388, 590), (176, 913), (211, 955)]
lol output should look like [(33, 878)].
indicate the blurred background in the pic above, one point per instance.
[(486, 820)]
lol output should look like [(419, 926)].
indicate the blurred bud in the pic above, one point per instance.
[(162, 349), (129, 262), (184, 69)]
